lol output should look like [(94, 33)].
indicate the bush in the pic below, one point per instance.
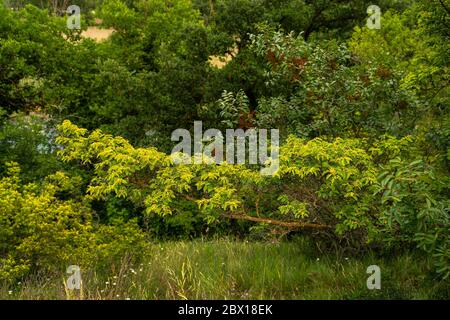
[(29, 141), (38, 231), (415, 210)]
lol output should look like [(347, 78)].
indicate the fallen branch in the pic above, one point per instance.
[(286, 224)]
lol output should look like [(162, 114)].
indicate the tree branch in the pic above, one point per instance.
[(287, 224)]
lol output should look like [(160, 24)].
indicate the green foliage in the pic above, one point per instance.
[(415, 210), (28, 141), (363, 116), (323, 90), (321, 19), (320, 183), (410, 46), (339, 173), (232, 107), (40, 231)]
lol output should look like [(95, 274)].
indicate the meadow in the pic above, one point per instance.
[(232, 269)]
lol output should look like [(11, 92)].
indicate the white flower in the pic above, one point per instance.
[(9, 292), (107, 282), (114, 284), (127, 299), (317, 259)]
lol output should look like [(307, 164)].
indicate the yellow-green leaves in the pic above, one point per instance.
[(39, 229), (117, 164), (297, 208)]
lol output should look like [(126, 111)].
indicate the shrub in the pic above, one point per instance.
[(414, 210), (38, 231)]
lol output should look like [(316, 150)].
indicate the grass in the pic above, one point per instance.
[(226, 269)]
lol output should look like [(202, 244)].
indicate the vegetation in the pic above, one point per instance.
[(86, 175), (230, 269)]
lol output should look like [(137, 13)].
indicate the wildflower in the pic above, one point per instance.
[(9, 292), (114, 283)]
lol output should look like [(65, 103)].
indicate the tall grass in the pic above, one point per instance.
[(226, 269)]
